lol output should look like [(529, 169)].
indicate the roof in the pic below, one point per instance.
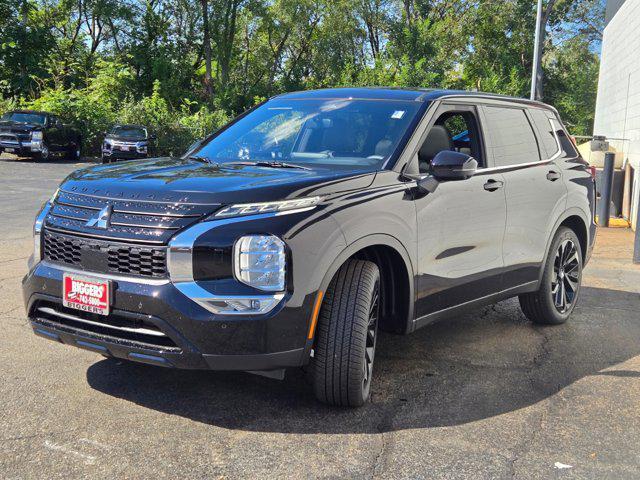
[(129, 125), (35, 112), (400, 94)]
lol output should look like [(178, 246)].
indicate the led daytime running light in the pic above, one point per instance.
[(268, 207)]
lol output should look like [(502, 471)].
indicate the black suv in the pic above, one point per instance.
[(125, 142), (296, 232), (29, 133)]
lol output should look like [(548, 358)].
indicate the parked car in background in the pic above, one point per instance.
[(40, 135), (293, 234), (126, 142)]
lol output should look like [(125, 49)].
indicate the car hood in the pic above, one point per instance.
[(9, 126), (119, 138), (191, 181)]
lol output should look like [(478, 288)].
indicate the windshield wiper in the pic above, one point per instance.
[(274, 164), (202, 159)]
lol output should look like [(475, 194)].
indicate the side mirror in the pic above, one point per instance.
[(450, 165)]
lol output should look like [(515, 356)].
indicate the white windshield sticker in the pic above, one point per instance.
[(398, 114)]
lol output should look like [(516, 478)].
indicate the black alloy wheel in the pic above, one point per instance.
[(564, 284), (560, 283)]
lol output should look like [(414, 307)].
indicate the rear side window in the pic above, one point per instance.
[(546, 134), (512, 139), (566, 144)]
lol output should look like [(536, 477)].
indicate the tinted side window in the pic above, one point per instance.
[(512, 138), (566, 144), (548, 142)]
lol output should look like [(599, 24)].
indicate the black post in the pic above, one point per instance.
[(636, 245), (606, 189)]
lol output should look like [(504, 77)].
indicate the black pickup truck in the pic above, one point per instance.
[(30, 133)]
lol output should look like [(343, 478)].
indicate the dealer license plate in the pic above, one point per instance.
[(86, 294)]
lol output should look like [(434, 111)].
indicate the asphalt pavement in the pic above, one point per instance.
[(483, 396)]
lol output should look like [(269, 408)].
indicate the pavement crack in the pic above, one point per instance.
[(523, 447), (11, 310), (384, 428), (13, 260), (378, 462), (540, 358)]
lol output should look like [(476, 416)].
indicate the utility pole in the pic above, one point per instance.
[(536, 52)]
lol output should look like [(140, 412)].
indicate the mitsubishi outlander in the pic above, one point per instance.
[(295, 233)]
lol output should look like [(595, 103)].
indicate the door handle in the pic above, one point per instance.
[(493, 185), (552, 176)]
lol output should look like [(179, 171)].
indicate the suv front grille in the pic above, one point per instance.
[(104, 256), (130, 221)]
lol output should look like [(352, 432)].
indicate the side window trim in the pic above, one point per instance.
[(534, 130), (558, 144), (539, 134)]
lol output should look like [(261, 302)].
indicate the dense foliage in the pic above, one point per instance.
[(184, 67)]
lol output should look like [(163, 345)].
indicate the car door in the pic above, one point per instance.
[(460, 224), (55, 133), (524, 149)]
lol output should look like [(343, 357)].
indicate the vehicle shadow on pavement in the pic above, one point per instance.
[(462, 370)]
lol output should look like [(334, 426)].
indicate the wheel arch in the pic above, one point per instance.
[(577, 220), (396, 274)]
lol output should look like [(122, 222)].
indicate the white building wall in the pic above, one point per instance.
[(618, 103)]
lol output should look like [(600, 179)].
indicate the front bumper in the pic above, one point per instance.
[(20, 148), (189, 336), (124, 154)]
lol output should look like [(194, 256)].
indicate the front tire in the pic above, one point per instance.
[(553, 303), (44, 153), (346, 336)]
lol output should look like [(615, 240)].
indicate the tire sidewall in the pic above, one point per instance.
[(339, 361)]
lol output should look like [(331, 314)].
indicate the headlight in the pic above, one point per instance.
[(37, 226), (36, 136), (106, 145), (238, 209), (259, 261), (142, 148)]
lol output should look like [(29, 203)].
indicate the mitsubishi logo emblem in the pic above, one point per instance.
[(102, 218)]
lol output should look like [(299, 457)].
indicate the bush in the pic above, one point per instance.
[(175, 130), (95, 108)]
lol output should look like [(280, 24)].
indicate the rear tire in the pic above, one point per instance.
[(74, 153), (553, 303), (346, 337)]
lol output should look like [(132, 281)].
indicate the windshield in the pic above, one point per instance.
[(128, 132), (333, 133), (19, 117)]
